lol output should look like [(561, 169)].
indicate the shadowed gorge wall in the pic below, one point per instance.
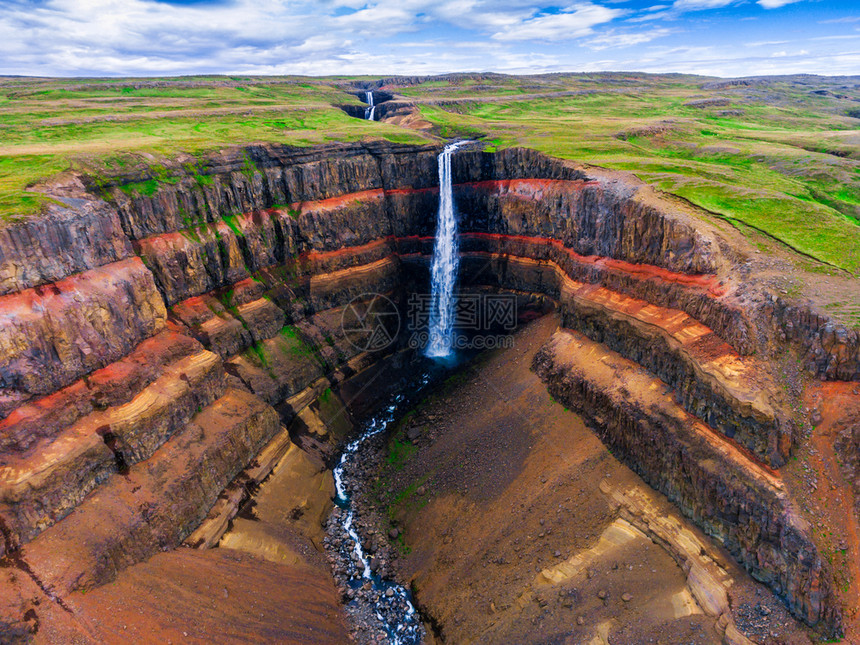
[(155, 340)]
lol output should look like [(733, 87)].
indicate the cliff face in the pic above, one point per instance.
[(154, 342), (734, 499), (609, 216), (77, 233), (56, 334)]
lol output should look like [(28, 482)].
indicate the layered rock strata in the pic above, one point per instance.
[(710, 379), (147, 338), (736, 500), (599, 218)]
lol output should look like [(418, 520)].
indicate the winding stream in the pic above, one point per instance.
[(386, 601)]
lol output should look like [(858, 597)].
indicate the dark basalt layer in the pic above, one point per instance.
[(710, 379), (738, 506), (378, 95), (86, 230)]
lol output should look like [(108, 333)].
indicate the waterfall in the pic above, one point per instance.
[(371, 108), (443, 274)]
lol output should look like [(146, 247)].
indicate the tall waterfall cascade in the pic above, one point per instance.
[(446, 261), (371, 108)]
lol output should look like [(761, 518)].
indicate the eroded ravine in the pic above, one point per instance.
[(179, 351), (375, 599)]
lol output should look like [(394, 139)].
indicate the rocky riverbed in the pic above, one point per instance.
[(360, 552)]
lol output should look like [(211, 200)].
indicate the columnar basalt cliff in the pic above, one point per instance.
[(734, 498), (159, 328)]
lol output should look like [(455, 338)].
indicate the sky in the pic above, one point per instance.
[(418, 37)]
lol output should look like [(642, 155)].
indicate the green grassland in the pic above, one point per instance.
[(49, 126), (778, 156)]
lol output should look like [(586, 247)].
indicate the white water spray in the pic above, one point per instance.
[(371, 108), (446, 260)]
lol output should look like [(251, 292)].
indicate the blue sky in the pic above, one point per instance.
[(384, 37)]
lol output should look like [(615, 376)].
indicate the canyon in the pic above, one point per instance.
[(176, 383)]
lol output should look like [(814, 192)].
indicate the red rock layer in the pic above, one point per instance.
[(117, 436), (734, 499), (53, 335)]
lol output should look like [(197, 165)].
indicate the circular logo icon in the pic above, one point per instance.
[(370, 322)]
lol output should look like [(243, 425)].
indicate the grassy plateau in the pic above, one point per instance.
[(775, 156)]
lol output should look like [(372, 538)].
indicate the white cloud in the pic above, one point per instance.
[(838, 37), (611, 39), (145, 37), (732, 62), (765, 43), (142, 37), (575, 21), (845, 19), (684, 5), (775, 4), (657, 15)]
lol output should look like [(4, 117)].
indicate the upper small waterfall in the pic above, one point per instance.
[(371, 108), (446, 260)]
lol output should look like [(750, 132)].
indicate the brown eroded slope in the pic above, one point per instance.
[(126, 382), (510, 512), (213, 596)]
